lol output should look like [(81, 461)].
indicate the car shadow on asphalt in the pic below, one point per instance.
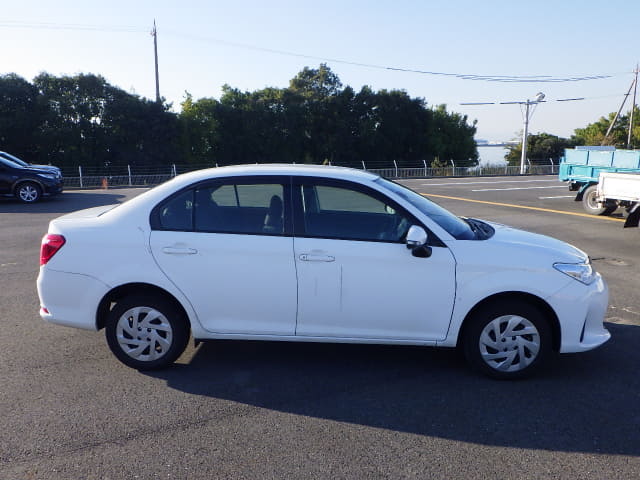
[(586, 402), (65, 203)]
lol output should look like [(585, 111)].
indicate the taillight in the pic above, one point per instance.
[(51, 243)]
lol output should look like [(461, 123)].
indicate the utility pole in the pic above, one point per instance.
[(525, 132), (633, 107), (540, 98), (154, 34)]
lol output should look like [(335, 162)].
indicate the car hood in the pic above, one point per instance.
[(35, 169), (533, 242), (45, 168)]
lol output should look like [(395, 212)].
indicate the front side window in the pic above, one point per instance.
[(344, 213)]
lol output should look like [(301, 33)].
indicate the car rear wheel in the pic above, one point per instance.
[(146, 332), (508, 340), (28, 192)]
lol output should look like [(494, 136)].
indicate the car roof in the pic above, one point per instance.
[(279, 169), (146, 200)]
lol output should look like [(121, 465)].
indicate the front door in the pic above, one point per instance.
[(356, 277)]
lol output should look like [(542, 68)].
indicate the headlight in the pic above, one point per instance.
[(583, 272), (47, 176)]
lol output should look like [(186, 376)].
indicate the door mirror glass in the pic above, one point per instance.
[(416, 237)]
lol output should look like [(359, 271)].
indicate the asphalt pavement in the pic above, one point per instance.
[(235, 409)]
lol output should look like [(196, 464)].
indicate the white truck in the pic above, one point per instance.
[(624, 190)]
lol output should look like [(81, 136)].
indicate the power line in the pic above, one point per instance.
[(71, 26), (614, 95), (461, 76)]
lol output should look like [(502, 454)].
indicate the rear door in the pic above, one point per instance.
[(228, 246), (356, 277)]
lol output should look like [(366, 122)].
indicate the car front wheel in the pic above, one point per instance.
[(507, 341), (146, 332), (28, 192)]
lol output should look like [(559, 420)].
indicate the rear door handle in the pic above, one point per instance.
[(309, 257), (179, 251)]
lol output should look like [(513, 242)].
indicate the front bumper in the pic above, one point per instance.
[(581, 311), (53, 188)]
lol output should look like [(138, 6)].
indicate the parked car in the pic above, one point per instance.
[(315, 254), (28, 183)]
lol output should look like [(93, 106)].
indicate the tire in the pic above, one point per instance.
[(593, 207), (28, 192), (146, 332), (507, 340)]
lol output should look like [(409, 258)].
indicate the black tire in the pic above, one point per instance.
[(518, 354), (146, 332), (28, 192), (593, 207)]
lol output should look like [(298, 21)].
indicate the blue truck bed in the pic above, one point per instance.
[(584, 166)]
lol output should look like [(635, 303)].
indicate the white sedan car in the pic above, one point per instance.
[(315, 254)]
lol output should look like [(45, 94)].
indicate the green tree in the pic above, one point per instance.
[(594, 133), (88, 122), (20, 116), (541, 148), (453, 137)]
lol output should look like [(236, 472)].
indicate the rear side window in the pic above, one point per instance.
[(240, 208), (225, 207)]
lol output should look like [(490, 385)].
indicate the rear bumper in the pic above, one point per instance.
[(69, 299)]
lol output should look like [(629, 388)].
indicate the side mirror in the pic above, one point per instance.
[(416, 237), (417, 242)]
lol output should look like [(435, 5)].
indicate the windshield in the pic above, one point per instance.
[(455, 226), (10, 163), (13, 159)]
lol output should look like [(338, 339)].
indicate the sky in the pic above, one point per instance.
[(254, 44)]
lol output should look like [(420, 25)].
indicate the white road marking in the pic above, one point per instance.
[(560, 196), (514, 188), (485, 182)]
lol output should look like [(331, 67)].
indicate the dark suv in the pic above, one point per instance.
[(28, 183)]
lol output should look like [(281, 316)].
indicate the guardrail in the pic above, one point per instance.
[(156, 177)]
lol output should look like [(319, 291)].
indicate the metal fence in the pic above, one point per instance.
[(128, 176)]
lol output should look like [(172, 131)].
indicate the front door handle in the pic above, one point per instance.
[(179, 251), (310, 257)]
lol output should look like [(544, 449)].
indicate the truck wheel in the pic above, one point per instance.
[(592, 206)]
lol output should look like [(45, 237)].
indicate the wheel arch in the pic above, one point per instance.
[(22, 181), (115, 295), (524, 297)]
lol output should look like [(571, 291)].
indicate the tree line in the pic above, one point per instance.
[(84, 120)]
